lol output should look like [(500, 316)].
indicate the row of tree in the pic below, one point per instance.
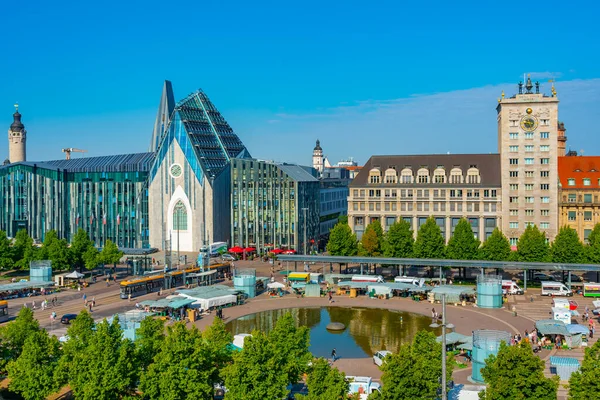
[(81, 252), (399, 242), (180, 363)]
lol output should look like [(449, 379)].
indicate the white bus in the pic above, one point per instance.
[(550, 288)]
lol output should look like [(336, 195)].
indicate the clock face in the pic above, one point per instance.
[(529, 123), (175, 170)]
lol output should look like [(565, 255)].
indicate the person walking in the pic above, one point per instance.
[(129, 296), (333, 355), (94, 301), (330, 298), (433, 314)]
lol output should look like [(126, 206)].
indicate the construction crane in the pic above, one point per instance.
[(70, 150)]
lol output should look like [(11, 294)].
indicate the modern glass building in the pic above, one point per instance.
[(270, 204), (106, 196)]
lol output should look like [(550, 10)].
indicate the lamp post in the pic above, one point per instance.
[(444, 325), (305, 211)]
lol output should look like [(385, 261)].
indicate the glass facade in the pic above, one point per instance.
[(267, 203), (106, 196)]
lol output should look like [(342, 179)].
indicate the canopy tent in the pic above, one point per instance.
[(551, 327), (576, 329), (207, 297), (276, 285), (236, 250), (453, 338), (380, 290), (467, 345), (276, 251), (174, 302), (74, 275), (452, 292), (250, 249)]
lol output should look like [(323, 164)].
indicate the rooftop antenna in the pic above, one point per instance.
[(17, 106)]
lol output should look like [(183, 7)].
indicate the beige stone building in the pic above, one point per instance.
[(17, 139), (579, 193), (445, 186), (528, 146)]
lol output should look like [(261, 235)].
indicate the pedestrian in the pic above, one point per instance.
[(333, 355), (115, 278), (129, 296), (107, 283), (90, 306), (33, 304), (94, 301), (433, 314), (330, 298)]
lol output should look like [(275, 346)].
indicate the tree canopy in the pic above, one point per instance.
[(430, 243), (15, 333), (325, 382), (585, 383), (567, 248), (150, 337), (110, 253), (532, 246), (516, 373), (342, 242), (6, 252), (79, 245), (592, 250), (369, 245), (23, 250), (496, 247), (414, 372), (463, 245), (399, 240)]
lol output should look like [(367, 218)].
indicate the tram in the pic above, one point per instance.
[(140, 286), (3, 310)]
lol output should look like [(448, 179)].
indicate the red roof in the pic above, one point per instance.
[(579, 168)]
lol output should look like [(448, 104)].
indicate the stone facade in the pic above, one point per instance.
[(528, 147), (17, 140)]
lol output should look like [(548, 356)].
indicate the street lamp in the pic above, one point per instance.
[(305, 210), (444, 325)]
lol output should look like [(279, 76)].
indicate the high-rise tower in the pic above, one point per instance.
[(528, 147), (17, 138), (318, 157)]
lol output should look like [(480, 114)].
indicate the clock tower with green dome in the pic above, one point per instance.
[(528, 147)]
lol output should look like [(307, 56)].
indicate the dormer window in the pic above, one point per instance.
[(571, 182), (406, 175), (587, 181), (375, 175), (423, 175)]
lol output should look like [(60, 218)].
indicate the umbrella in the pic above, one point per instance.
[(236, 249), (576, 328), (74, 275), (291, 251), (276, 251), (275, 285), (250, 249)]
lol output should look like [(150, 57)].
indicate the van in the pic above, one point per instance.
[(368, 278), (550, 288), (363, 385), (510, 287), (410, 280)]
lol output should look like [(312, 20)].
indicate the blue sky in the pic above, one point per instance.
[(364, 77)]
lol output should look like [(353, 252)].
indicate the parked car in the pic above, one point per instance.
[(574, 278), (67, 318), (380, 356), (227, 257)]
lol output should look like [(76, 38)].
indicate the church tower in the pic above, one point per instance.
[(17, 138), (318, 157)]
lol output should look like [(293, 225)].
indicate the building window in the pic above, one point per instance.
[(513, 135), (513, 199), (514, 174), (545, 199), (545, 186), (528, 161), (544, 161), (587, 198), (512, 161), (587, 181), (544, 225), (545, 122), (528, 199), (528, 174), (355, 206), (513, 149), (529, 148), (374, 179), (544, 135), (514, 213), (545, 147), (529, 186), (514, 225), (529, 213), (514, 186), (179, 217), (587, 215), (545, 213), (528, 135), (514, 241), (572, 197), (586, 235), (544, 174), (571, 182)]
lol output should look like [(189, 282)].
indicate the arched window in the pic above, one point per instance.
[(407, 175), (473, 175), (423, 175), (439, 175), (456, 175), (390, 175), (375, 175), (179, 217)]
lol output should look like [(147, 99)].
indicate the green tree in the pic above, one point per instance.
[(79, 245), (218, 339), (91, 258), (182, 369), (60, 255), (106, 368), (110, 253), (50, 237), (567, 248), (325, 382), (532, 246), (414, 372), (32, 374), (342, 242), (463, 245), (150, 337), (585, 383), (399, 240), (80, 333), (292, 342), (496, 247), (516, 373), (342, 219), (6, 252), (14, 335), (257, 372), (430, 242), (592, 250), (23, 250), (369, 244)]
